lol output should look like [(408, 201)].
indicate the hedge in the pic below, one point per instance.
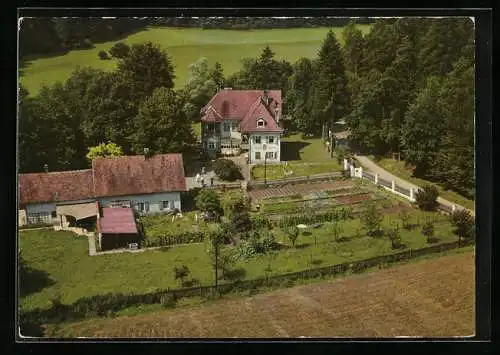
[(172, 239)]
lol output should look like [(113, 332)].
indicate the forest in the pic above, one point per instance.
[(406, 87)]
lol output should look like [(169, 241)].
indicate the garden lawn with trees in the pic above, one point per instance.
[(61, 267)]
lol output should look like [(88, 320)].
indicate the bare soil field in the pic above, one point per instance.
[(429, 298)]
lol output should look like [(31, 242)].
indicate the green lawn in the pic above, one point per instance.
[(163, 224), (185, 46), (64, 258), (304, 156), (398, 168), (296, 169)]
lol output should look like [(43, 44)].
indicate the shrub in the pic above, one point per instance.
[(233, 201), (404, 216), (180, 273), (426, 198), (119, 50), (372, 219), (464, 224), (227, 170), (168, 300), (260, 221), (394, 237), (240, 222), (103, 55), (428, 231), (292, 233), (208, 201)]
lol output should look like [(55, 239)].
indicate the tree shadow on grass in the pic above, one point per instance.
[(302, 245), (33, 280), (433, 240), (317, 262), (291, 150), (235, 274), (306, 233)]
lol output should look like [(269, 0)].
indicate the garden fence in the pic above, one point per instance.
[(253, 184), (101, 305)]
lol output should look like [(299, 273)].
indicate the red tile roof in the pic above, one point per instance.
[(132, 175), (55, 186), (119, 220), (244, 105), (129, 175)]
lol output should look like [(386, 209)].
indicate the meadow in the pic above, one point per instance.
[(185, 46)]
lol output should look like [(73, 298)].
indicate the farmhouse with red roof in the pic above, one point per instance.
[(237, 120), (147, 184)]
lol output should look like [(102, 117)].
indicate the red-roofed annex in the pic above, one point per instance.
[(147, 184)]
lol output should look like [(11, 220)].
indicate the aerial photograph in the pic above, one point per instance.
[(246, 177)]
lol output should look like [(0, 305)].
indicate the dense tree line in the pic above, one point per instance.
[(244, 23), (134, 107), (406, 87), (50, 35)]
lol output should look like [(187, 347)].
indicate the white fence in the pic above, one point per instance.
[(391, 186)]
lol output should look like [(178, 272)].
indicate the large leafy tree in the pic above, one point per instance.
[(161, 124), (201, 85), (380, 46), (146, 68), (331, 96)]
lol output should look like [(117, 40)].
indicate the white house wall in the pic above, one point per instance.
[(273, 147), (155, 200)]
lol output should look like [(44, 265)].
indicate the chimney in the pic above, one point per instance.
[(147, 153), (46, 168), (265, 97), (277, 114)]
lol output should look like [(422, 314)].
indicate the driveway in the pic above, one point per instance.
[(384, 174)]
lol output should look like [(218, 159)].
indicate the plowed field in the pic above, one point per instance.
[(430, 298)]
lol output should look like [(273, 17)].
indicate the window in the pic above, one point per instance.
[(211, 127), (227, 126), (146, 206), (270, 155), (257, 139), (39, 217), (54, 214), (140, 206), (234, 126), (257, 155), (260, 123), (211, 145), (270, 139), (165, 205)]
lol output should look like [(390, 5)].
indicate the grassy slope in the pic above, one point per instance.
[(65, 258), (398, 168), (185, 46), (298, 151)]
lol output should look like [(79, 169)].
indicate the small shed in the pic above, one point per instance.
[(117, 228)]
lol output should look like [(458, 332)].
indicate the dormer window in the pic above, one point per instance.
[(261, 123)]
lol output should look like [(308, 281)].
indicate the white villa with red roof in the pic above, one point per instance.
[(237, 120)]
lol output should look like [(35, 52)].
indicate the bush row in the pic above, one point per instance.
[(335, 215), (172, 239)]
